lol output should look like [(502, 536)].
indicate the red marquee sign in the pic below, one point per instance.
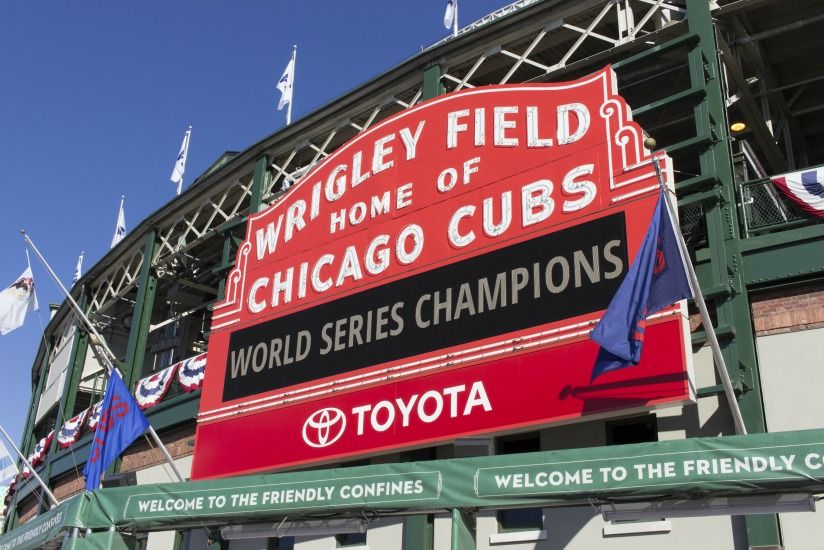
[(436, 277)]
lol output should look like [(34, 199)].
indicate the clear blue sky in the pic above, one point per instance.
[(95, 97)]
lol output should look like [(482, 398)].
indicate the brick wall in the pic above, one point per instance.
[(789, 309), (27, 509), (68, 485), (179, 442)]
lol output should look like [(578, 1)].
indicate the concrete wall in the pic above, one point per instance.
[(162, 473), (792, 378), (582, 528)]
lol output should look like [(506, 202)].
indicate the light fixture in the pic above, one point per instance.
[(719, 506), (738, 126), (294, 528)]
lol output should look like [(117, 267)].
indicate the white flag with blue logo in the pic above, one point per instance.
[(285, 84), (451, 12), (120, 228), (78, 270), (180, 163)]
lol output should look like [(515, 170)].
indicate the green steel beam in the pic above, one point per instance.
[(142, 317), (141, 321), (227, 261), (656, 51), (432, 85), (725, 267), (696, 183), (695, 94), (418, 533), (723, 239), (784, 255), (259, 181)]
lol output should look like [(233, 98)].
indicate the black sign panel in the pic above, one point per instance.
[(548, 278)]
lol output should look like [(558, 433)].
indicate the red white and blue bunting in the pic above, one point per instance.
[(11, 491), (191, 371), (150, 390), (94, 417), (41, 449), (70, 431), (805, 188)]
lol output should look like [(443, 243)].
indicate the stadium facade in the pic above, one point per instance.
[(730, 92)]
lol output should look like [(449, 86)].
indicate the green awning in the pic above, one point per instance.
[(688, 468), (47, 529)]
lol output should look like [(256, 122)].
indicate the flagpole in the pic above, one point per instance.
[(292, 98), (98, 341), (48, 492), (720, 364)]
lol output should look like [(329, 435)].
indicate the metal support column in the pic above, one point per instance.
[(432, 85), (142, 317), (259, 181), (729, 292), (141, 321), (418, 530), (227, 258)]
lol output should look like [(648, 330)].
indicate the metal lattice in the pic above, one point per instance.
[(288, 166), (692, 221), (592, 28), (117, 280), (764, 207), (202, 216)]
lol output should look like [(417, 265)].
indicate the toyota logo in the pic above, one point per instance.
[(324, 427)]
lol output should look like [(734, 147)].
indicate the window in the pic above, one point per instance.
[(350, 539), (520, 519), (640, 429), (419, 455), (281, 543), (632, 430)]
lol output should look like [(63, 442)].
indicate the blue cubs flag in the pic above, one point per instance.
[(656, 279), (121, 422)]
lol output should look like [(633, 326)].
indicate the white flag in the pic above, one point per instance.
[(120, 228), (180, 163), (449, 15), (8, 466), (285, 84), (78, 271), (18, 298)]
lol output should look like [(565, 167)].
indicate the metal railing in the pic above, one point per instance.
[(765, 209)]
